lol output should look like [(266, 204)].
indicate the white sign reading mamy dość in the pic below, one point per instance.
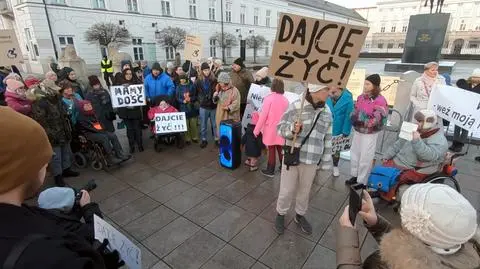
[(128, 95), (166, 123)]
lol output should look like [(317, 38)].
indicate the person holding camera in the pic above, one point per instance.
[(307, 127), (439, 230), (31, 237)]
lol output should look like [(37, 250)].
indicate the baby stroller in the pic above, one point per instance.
[(161, 105), (87, 152)]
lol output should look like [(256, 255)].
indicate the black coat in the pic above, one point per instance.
[(102, 104), (68, 242), (466, 85), (128, 113), (205, 94), (253, 145)]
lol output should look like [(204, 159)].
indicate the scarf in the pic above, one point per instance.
[(428, 83)]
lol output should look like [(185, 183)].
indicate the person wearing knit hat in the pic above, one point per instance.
[(261, 77), (51, 76), (227, 99), (438, 230), (31, 82), (16, 96), (70, 75), (217, 67), (311, 135), (158, 83), (368, 119), (205, 87), (241, 79), (102, 104)]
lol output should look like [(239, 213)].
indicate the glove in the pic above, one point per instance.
[(111, 259)]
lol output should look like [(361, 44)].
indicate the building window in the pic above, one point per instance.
[(267, 17), (132, 5), (463, 26), (228, 11), (211, 9), (394, 27), (256, 11), (31, 46), (400, 45), (477, 28), (166, 9), (64, 41), (169, 53), (267, 48), (61, 2), (382, 29), (213, 48), (367, 45), (473, 46), (137, 49), (228, 51), (193, 9), (390, 46), (380, 45), (243, 14), (404, 29), (99, 4)]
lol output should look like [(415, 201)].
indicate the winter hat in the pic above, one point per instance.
[(218, 62), (224, 77), (12, 76), (439, 216), (374, 79), (255, 117), (476, 73), (31, 81), (24, 149), (261, 74), (170, 65), (239, 61), (204, 66), (156, 66), (50, 74), (57, 198), (93, 80), (428, 117), (312, 88), (13, 85)]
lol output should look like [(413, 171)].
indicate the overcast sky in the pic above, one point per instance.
[(354, 3)]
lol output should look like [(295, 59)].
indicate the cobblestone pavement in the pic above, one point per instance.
[(185, 211)]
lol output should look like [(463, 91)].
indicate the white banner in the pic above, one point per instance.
[(167, 123), (255, 97), (341, 143), (129, 252), (456, 105), (128, 95)]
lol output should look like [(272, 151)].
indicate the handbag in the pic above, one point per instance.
[(383, 178), (292, 158)]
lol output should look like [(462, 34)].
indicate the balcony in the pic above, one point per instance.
[(6, 8)]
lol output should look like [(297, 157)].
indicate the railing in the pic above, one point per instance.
[(445, 51)]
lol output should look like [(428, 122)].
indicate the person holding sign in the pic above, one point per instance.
[(423, 86), (205, 86), (187, 100), (340, 103), (368, 119), (306, 126), (227, 98)]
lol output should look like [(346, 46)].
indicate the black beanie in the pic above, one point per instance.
[(204, 66), (239, 61), (156, 66), (374, 79)]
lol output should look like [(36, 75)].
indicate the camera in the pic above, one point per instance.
[(90, 186)]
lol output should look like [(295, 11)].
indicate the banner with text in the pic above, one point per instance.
[(193, 48), (463, 110), (166, 123), (315, 51), (10, 53), (341, 143), (128, 95), (255, 97)]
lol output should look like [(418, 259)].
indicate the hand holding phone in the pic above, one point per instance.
[(355, 202)]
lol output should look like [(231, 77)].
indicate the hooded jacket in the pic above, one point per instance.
[(18, 103), (102, 104), (160, 85), (242, 80)]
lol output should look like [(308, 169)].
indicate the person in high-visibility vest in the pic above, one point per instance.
[(107, 70)]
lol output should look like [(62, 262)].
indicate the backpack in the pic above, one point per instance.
[(383, 178)]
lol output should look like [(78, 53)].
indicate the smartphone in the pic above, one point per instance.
[(355, 202)]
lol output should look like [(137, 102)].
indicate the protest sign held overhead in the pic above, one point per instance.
[(463, 110), (193, 48), (128, 95), (315, 51), (167, 123), (10, 53)]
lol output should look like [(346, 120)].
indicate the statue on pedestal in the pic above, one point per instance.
[(439, 6)]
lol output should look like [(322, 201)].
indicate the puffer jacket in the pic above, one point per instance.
[(18, 103), (399, 250), (370, 114), (242, 81)]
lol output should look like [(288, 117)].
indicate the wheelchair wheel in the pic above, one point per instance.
[(447, 180), (80, 160), (96, 165), (157, 146)]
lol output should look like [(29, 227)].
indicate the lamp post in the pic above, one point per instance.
[(242, 44)]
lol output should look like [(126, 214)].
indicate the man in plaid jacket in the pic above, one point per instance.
[(296, 181)]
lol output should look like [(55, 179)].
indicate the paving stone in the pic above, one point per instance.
[(229, 258), (199, 175), (148, 259), (161, 265), (130, 169), (151, 222), (328, 200), (170, 191), (216, 183), (473, 197), (270, 213), (255, 238), (149, 180), (119, 199), (133, 210), (187, 200), (321, 258), (288, 251), (208, 210), (319, 221), (259, 265), (168, 163), (338, 183), (195, 251), (257, 200), (231, 222), (235, 191), (171, 236)]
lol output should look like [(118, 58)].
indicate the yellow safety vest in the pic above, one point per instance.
[(107, 66)]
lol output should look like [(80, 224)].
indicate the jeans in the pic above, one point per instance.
[(205, 115), (192, 129), (460, 135), (134, 132), (61, 160), (109, 142)]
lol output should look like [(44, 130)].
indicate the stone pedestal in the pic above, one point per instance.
[(117, 56), (398, 66), (71, 59)]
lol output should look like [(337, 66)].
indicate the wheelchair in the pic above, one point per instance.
[(87, 152), (166, 139)]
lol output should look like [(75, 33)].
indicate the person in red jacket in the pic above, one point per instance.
[(16, 98), (162, 106)]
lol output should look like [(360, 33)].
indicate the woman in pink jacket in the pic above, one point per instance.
[(273, 108), (16, 96)]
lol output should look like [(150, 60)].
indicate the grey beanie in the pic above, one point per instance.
[(224, 77)]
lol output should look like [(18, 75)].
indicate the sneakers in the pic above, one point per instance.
[(59, 182), (269, 172), (351, 181), (253, 168), (203, 144), (303, 224), (111, 160), (69, 173), (336, 172), (280, 224), (140, 149)]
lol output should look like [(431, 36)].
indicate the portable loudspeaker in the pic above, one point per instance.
[(230, 155)]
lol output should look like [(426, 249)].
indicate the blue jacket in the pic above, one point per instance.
[(341, 112), (190, 109), (162, 85), (147, 71)]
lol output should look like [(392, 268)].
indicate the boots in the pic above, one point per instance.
[(351, 181), (111, 160), (140, 148), (132, 148), (280, 224), (70, 173), (59, 182), (269, 172)]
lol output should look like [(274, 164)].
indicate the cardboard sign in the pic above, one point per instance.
[(463, 110), (255, 97), (167, 123), (341, 143), (128, 95), (315, 51), (356, 82), (389, 85), (129, 252), (10, 53), (193, 48)]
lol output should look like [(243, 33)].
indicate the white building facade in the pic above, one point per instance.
[(43, 26), (388, 23)]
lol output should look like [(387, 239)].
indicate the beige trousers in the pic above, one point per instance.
[(295, 183)]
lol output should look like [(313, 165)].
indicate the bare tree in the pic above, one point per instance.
[(229, 40), (105, 33), (255, 42), (172, 37)]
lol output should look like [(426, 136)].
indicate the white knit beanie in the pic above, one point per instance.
[(316, 87), (439, 216), (428, 117)]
